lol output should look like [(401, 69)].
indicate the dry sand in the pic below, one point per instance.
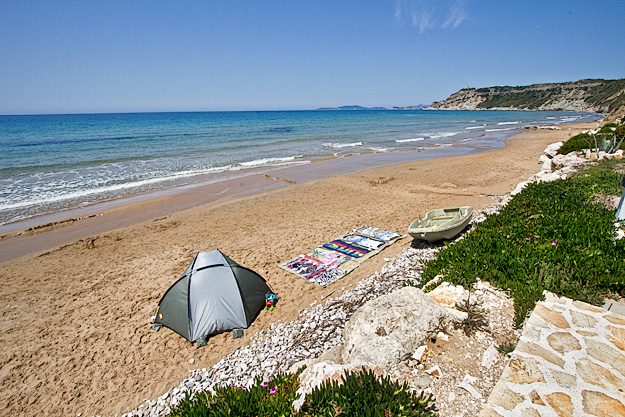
[(75, 330)]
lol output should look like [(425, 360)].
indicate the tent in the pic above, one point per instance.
[(213, 295)]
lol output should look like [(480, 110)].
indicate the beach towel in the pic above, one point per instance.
[(376, 233), (335, 259), (348, 249), (313, 271)]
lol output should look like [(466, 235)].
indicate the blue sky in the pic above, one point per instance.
[(86, 56)]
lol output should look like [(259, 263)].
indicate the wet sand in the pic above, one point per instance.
[(78, 296)]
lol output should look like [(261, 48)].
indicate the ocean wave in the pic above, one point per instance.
[(507, 123), (475, 127), (53, 196), (380, 149), (500, 130), (409, 140), (439, 135), (269, 161), (342, 145)]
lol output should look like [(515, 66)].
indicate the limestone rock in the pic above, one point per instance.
[(552, 150), (490, 357), (546, 163), (570, 160), (447, 294), (408, 316)]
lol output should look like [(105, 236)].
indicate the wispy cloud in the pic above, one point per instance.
[(456, 15), (428, 14)]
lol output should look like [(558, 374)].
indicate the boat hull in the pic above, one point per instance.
[(441, 224)]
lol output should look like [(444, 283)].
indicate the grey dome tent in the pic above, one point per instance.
[(213, 295)]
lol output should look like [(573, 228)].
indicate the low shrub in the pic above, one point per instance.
[(362, 394), (358, 394), (586, 141), (273, 398)]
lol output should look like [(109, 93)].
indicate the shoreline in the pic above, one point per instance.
[(20, 239), (89, 303)]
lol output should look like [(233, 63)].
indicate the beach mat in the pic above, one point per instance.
[(333, 260)]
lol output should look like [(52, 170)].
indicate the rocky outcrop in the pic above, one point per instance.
[(601, 96), (385, 329)]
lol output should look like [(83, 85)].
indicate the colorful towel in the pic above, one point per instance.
[(376, 233), (329, 257), (313, 271), (363, 241), (333, 260), (346, 248)]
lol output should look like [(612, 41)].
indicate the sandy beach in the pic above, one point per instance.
[(78, 297)]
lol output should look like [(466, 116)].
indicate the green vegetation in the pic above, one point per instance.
[(363, 394), (596, 92), (609, 131), (602, 93), (263, 399), (531, 99), (551, 236), (475, 320), (358, 394)]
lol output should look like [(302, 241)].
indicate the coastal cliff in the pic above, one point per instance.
[(592, 95)]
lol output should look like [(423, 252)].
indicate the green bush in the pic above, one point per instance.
[(576, 144), (274, 398), (586, 141), (362, 394), (551, 237)]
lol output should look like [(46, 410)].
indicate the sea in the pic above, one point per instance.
[(55, 163)]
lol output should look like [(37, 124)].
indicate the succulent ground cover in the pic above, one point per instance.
[(552, 236), (358, 394)]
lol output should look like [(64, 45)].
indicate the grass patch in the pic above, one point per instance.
[(551, 237)]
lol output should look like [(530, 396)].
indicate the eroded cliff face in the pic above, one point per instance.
[(601, 96)]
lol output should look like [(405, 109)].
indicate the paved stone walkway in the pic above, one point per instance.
[(570, 361)]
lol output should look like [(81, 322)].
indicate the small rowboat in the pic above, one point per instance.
[(441, 224)]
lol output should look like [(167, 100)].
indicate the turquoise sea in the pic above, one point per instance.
[(51, 163)]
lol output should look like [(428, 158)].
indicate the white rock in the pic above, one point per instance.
[(552, 150), (570, 160), (418, 354), (466, 384), (408, 317), (447, 294), (490, 357), (435, 371), (520, 186), (546, 163), (547, 176)]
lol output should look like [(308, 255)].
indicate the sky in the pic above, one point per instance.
[(93, 56)]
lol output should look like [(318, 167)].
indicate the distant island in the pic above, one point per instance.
[(417, 107), (352, 108), (591, 95)]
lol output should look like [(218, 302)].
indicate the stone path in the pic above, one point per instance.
[(570, 361)]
